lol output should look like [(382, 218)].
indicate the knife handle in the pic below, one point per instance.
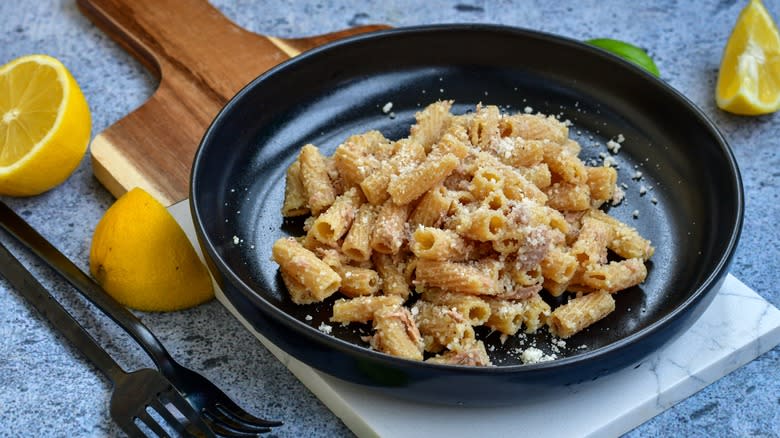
[(24, 233), (43, 301)]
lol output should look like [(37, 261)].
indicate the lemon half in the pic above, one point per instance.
[(44, 125), (749, 76)]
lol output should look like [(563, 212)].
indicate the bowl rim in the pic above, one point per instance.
[(708, 283)]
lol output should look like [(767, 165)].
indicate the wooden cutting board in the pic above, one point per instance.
[(201, 60)]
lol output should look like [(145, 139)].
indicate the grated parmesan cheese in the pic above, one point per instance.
[(533, 355), (618, 196)]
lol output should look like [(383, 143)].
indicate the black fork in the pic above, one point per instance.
[(223, 415), (137, 395)]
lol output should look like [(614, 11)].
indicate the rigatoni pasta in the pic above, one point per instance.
[(469, 222), (331, 225), (580, 312), (294, 194), (362, 309), (315, 180), (396, 333), (313, 279)]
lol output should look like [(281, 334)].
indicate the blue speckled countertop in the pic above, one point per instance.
[(49, 390)]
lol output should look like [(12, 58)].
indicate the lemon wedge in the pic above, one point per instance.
[(142, 258), (44, 125), (749, 76)]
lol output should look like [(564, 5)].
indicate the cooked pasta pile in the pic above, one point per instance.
[(461, 224)]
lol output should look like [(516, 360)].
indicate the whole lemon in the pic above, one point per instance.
[(142, 258)]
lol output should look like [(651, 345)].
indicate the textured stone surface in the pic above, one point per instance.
[(49, 390)]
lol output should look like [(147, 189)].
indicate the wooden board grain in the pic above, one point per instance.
[(201, 60)]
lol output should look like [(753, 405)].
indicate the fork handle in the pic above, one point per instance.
[(26, 234), (43, 301)]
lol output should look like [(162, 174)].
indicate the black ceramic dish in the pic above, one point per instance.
[(326, 94)]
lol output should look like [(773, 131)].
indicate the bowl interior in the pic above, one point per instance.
[(690, 210)]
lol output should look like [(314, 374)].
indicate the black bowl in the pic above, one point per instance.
[(692, 210)]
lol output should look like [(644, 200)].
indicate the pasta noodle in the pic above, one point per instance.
[(388, 234), (441, 326), (357, 243), (392, 274), (354, 158), (474, 309), (294, 194), (455, 277), (437, 244), (432, 123), (470, 221), (315, 180), (432, 208), (331, 225), (314, 279), (469, 354), (580, 312), (362, 309), (396, 333)]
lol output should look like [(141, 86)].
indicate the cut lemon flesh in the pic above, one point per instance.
[(749, 76), (44, 125)]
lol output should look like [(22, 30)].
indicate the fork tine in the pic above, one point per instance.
[(235, 412), (131, 429), (152, 424), (164, 412), (216, 415), (196, 426)]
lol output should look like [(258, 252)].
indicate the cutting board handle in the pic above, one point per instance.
[(201, 59)]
